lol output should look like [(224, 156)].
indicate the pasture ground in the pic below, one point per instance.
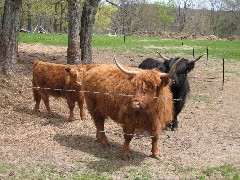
[(35, 146)]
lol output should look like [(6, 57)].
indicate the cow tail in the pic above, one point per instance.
[(35, 63), (36, 95)]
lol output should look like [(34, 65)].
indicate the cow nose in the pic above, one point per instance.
[(136, 104), (78, 83)]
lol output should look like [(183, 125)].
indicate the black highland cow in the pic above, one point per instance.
[(180, 85)]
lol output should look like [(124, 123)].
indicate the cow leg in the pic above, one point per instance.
[(45, 99), (80, 104), (71, 105), (99, 123), (128, 135), (155, 150), (37, 98), (174, 123)]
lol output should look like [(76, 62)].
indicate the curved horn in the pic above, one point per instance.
[(123, 69), (195, 60), (168, 75), (165, 58)]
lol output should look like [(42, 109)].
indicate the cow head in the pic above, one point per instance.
[(183, 68), (147, 84), (74, 77)]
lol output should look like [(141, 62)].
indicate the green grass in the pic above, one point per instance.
[(227, 172), (237, 73), (216, 48), (12, 172)]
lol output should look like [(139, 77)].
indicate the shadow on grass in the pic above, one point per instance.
[(110, 157)]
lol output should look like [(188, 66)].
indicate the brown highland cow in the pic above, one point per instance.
[(140, 110), (58, 80)]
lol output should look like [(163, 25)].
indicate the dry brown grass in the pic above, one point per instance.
[(209, 132)]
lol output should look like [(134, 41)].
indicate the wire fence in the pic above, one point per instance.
[(106, 93)]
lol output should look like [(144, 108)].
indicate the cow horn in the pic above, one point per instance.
[(165, 58), (168, 75), (125, 70), (195, 60)]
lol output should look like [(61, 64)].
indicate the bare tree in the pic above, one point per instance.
[(87, 21), (9, 36), (73, 51)]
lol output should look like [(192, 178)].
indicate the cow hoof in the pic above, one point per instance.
[(126, 157), (168, 128), (174, 129), (155, 156), (36, 111), (70, 119), (106, 145), (83, 118)]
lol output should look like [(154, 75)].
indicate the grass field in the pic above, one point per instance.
[(216, 48)]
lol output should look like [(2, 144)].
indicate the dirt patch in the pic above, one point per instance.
[(209, 132)]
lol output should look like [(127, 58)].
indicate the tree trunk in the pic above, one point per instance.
[(73, 51), (55, 26), (29, 17), (87, 21), (9, 36)]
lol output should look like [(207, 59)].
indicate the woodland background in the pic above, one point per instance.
[(220, 18)]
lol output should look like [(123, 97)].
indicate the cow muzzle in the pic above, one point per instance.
[(138, 105), (78, 85)]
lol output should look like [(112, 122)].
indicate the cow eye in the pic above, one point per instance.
[(149, 85)]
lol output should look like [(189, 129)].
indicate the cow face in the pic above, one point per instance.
[(179, 76), (74, 77), (147, 85)]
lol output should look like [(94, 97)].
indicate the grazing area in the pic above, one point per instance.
[(36, 146)]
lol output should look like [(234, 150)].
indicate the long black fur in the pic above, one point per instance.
[(180, 85)]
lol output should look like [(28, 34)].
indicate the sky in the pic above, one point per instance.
[(196, 3)]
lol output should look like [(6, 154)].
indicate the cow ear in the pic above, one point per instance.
[(165, 81), (166, 64), (190, 66), (70, 71)]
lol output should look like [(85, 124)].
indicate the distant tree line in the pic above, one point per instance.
[(81, 18), (219, 17)]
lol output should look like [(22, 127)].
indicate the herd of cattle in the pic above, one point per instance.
[(148, 97)]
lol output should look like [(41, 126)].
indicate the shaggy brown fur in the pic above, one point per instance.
[(58, 76), (141, 112)]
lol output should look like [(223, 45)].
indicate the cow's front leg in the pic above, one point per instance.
[(128, 135), (174, 126), (80, 104), (71, 105), (155, 150), (99, 123)]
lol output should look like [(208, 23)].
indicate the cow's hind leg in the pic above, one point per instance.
[(128, 135), (45, 99), (36, 96)]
